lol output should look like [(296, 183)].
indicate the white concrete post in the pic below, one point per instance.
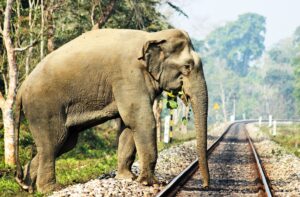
[(270, 120), (232, 118), (166, 130), (244, 116), (259, 121)]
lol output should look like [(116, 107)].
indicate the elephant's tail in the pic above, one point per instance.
[(19, 171)]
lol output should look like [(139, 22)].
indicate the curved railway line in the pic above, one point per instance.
[(235, 169)]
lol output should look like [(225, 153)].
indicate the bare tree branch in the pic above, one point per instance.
[(178, 9), (137, 14), (26, 47), (1, 31), (106, 14), (2, 100)]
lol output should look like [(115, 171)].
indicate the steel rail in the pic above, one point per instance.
[(172, 188), (260, 168)]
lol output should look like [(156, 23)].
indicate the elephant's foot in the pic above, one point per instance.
[(30, 178), (148, 180), (48, 188), (23, 185), (125, 174)]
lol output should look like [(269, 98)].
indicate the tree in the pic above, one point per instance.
[(7, 103), (105, 14), (284, 51), (296, 36), (51, 23), (296, 63), (239, 42), (157, 108)]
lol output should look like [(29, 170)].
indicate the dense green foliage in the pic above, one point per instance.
[(64, 21), (259, 86), (94, 155), (239, 72), (76, 19), (238, 42), (68, 20), (296, 63)]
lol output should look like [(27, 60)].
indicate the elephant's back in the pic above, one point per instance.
[(101, 49), (106, 40), (80, 67)]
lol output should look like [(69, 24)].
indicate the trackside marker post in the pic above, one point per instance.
[(166, 130), (270, 120), (259, 121)]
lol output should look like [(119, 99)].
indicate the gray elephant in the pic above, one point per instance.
[(102, 75)]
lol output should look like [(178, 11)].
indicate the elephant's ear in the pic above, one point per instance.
[(153, 56)]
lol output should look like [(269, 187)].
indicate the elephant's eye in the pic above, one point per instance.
[(187, 67)]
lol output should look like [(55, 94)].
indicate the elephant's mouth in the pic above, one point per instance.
[(184, 97)]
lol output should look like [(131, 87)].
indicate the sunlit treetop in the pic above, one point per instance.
[(239, 42)]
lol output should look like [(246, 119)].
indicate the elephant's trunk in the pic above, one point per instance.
[(197, 91)]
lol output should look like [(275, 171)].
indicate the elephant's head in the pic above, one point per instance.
[(173, 63)]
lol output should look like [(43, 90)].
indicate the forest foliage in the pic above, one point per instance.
[(244, 78), (37, 27), (48, 24), (240, 72), (237, 65)]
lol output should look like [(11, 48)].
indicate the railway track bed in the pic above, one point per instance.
[(283, 170), (234, 171)]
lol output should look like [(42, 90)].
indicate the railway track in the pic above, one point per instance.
[(235, 166)]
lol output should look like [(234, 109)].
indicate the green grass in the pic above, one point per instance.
[(94, 155), (288, 136), (178, 138)]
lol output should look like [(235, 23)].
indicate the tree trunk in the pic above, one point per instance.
[(7, 105), (223, 99), (157, 108), (5, 83), (105, 15), (95, 3), (42, 31), (185, 113), (50, 26), (9, 135), (28, 56)]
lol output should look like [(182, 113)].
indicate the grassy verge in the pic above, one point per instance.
[(288, 136), (94, 155)]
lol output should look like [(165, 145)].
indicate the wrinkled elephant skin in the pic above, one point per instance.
[(102, 75)]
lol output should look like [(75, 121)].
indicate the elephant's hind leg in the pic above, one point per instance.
[(46, 171), (49, 138), (126, 155)]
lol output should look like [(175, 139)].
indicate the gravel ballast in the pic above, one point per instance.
[(282, 168), (169, 164)]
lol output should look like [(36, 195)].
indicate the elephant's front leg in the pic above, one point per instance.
[(145, 140), (138, 116), (142, 130)]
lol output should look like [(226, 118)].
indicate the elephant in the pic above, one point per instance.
[(102, 75)]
